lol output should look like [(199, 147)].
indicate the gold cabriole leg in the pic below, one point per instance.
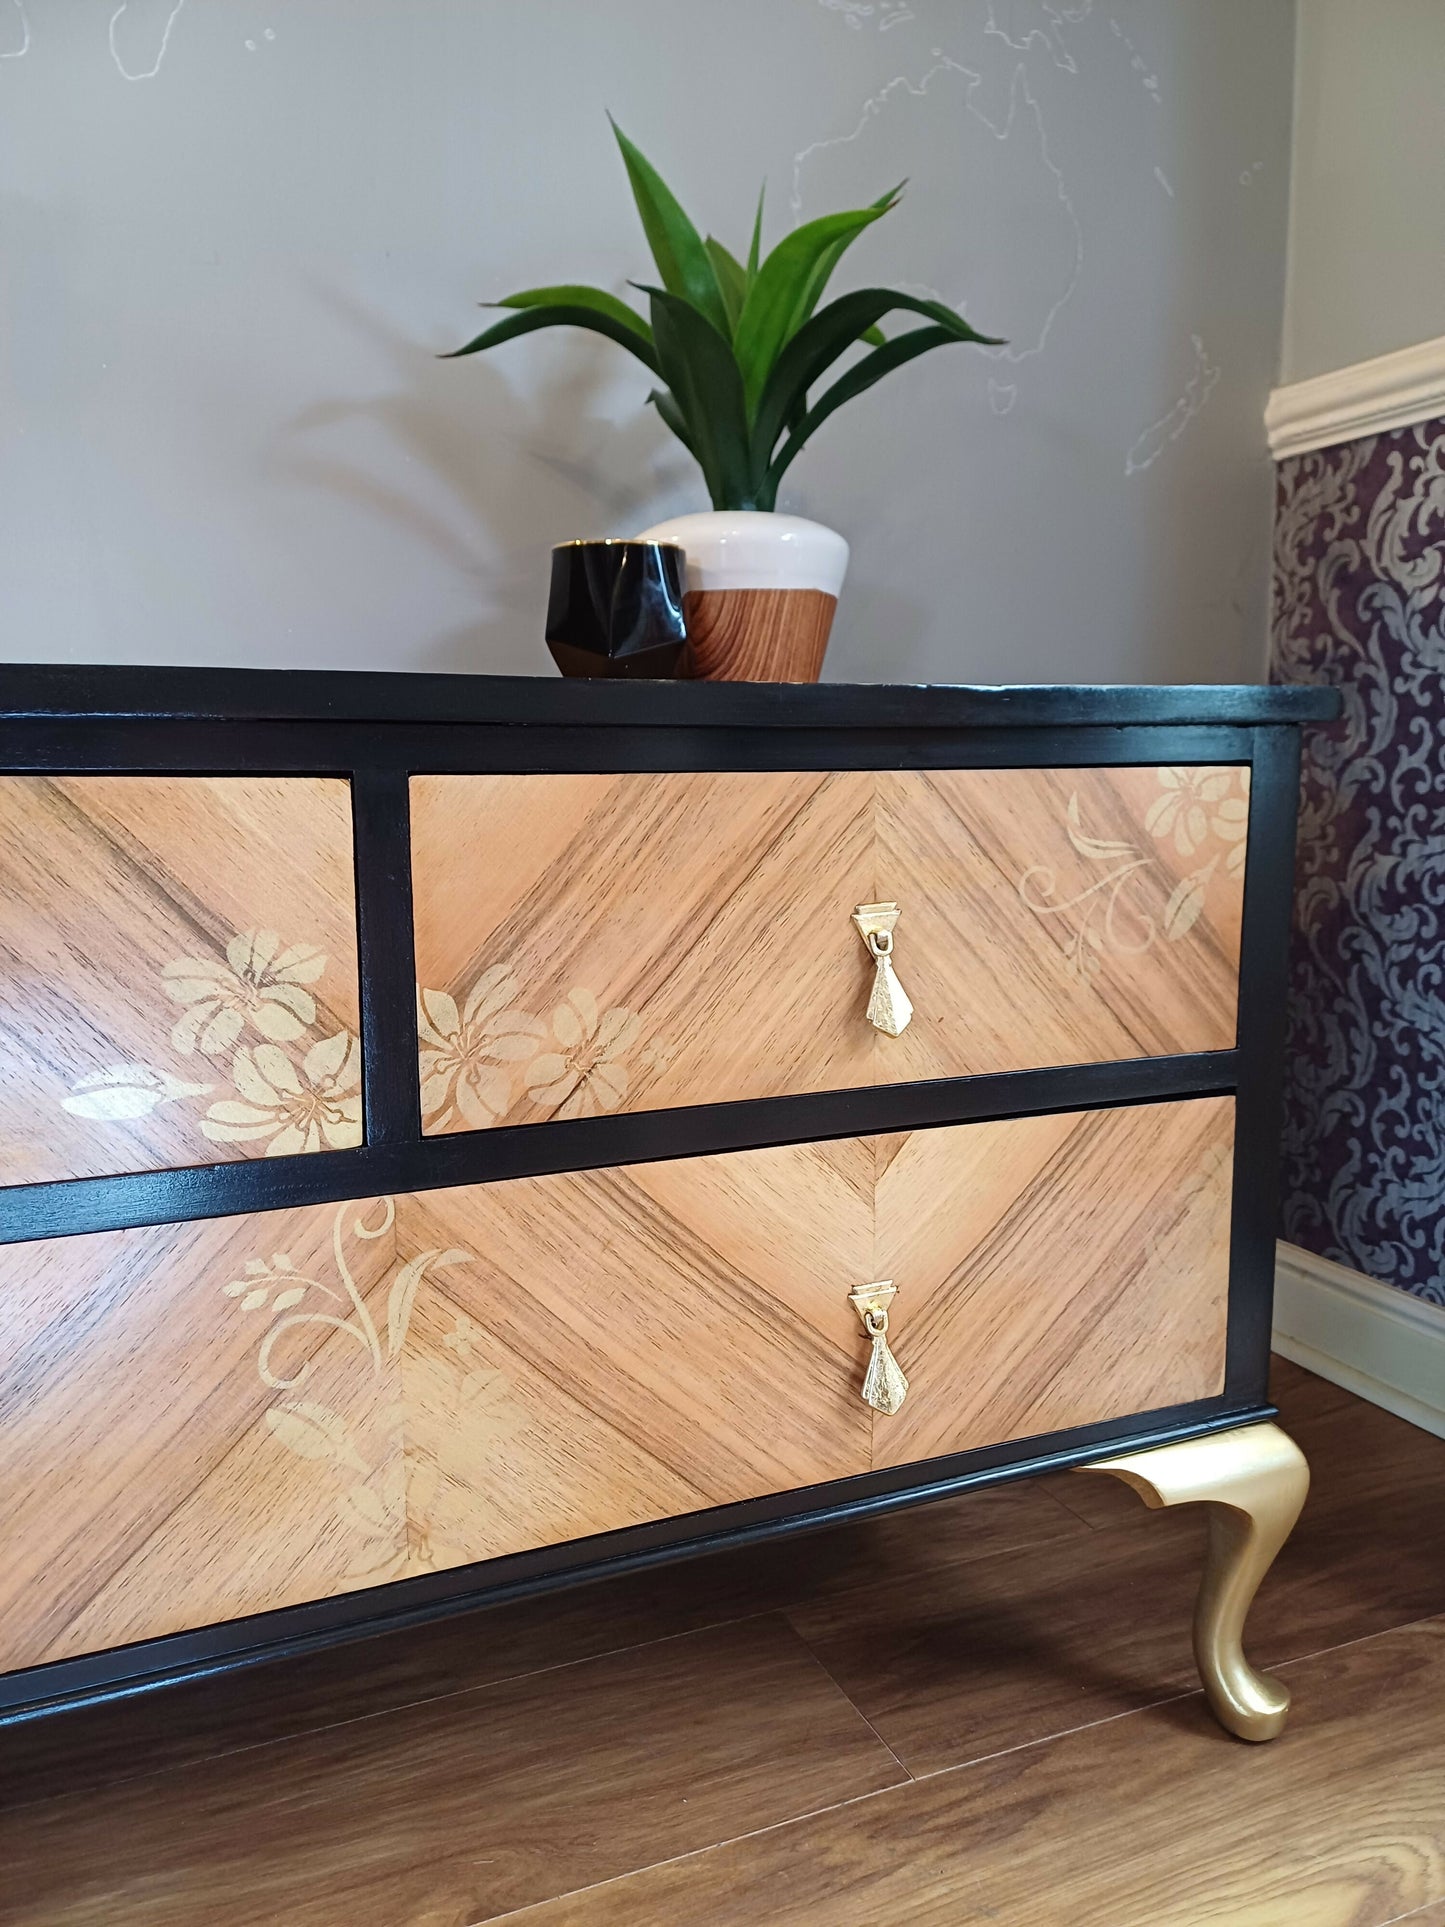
[(1254, 1482)]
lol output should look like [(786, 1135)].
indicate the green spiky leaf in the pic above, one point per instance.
[(732, 279), (755, 251), (564, 315), (872, 368), (707, 390), (819, 343), (677, 247), (671, 414), (823, 273), (779, 299), (576, 294), (740, 347)]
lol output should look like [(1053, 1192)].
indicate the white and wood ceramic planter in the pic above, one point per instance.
[(761, 591)]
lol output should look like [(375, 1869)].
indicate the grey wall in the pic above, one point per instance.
[(1367, 217), (234, 233)]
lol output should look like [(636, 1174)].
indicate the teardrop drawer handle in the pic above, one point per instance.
[(889, 1007), (884, 1386)]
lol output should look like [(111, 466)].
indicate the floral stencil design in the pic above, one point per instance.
[(588, 1073), (466, 1054), (1203, 813), (125, 1091), (295, 1107), (304, 1098), (479, 1061), (1195, 804), (1231, 827), (260, 983), (387, 1488)]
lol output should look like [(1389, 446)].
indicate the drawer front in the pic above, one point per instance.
[(1053, 1271), (634, 942), (178, 979), (204, 1421)]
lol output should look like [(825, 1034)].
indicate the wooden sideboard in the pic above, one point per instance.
[(441, 1129)]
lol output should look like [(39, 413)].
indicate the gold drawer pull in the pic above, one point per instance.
[(889, 1007), (884, 1386)]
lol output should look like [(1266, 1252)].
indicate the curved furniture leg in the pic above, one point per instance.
[(1254, 1482)]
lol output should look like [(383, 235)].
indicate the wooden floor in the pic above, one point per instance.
[(979, 1711)]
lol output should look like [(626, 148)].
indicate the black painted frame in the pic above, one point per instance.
[(377, 730)]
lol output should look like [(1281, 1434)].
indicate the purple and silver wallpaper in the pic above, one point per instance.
[(1359, 602)]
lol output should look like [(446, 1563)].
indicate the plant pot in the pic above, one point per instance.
[(615, 609), (761, 591)]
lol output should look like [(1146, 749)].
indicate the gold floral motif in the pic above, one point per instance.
[(276, 1286), (1185, 808), (1231, 825), (314, 1431), (466, 1054), (1107, 918), (476, 1408), (1203, 812), (389, 1489), (294, 1107), (124, 1091), (260, 983), (588, 1073), (293, 1103), (481, 1396)]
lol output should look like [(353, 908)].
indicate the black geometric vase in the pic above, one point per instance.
[(616, 609)]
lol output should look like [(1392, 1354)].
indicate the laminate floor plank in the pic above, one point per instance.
[(566, 1745), (463, 1808), (965, 1663), (94, 1746), (1156, 1820), (967, 1659)]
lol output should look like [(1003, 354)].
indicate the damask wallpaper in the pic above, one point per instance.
[(1359, 602)]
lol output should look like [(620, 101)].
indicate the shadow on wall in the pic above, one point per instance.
[(492, 457), (470, 432)]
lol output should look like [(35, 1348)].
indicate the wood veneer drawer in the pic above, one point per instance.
[(178, 979), (204, 1421), (628, 942)]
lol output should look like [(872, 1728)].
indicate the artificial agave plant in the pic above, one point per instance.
[(741, 348)]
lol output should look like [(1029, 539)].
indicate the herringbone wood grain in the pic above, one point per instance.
[(1054, 1271), (205, 1421), (142, 1489), (599, 943), (109, 884)]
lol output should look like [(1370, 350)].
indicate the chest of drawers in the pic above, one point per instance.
[(463, 1134)]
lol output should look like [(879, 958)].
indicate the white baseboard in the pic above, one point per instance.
[(1392, 391), (1372, 1339)]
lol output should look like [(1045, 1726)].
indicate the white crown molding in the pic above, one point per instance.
[(1371, 1338), (1392, 391)]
